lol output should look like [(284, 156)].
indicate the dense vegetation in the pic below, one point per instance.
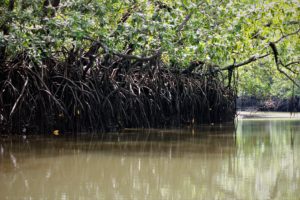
[(107, 63)]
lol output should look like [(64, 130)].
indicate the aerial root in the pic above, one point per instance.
[(40, 99)]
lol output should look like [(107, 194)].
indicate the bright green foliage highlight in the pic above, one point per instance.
[(220, 32)]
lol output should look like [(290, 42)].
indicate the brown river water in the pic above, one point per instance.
[(257, 158)]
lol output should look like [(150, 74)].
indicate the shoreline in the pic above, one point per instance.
[(267, 114)]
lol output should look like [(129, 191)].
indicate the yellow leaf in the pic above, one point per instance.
[(55, 132)]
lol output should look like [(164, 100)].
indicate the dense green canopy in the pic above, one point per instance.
[(260, 38)]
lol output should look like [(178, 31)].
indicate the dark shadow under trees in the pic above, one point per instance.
[(83, 92)]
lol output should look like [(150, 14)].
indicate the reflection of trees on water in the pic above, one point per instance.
[(268, 155), (260, 162)]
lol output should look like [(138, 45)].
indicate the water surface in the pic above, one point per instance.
[(255, 159)]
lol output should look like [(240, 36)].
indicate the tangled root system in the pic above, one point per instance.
[(105, 94)]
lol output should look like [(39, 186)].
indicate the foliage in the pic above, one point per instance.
[(218, 32)]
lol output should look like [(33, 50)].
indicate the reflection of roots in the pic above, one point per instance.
[(59, 96)]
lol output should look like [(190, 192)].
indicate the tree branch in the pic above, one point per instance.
[(126, 56), (292, 63), (217, 68), (250, 60), (192, 67), (125, 17), (287, 35), (139, 58), (187, 18), (19, 98), (286, 75), (278, 61), (291, 22)]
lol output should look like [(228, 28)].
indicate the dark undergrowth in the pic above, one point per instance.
[(75, 91)]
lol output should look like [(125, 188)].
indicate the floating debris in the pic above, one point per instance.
[(55, 132)]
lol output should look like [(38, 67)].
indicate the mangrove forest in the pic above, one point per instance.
[(104, 65)]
